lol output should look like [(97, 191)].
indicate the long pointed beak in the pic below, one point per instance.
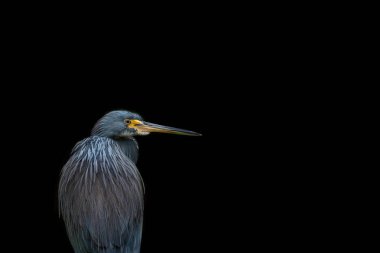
[(143, 126)]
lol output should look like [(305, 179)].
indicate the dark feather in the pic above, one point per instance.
[(101, 198)]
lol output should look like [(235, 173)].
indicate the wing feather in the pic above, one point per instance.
[(101, 198)]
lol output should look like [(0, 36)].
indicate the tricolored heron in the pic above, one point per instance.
[(101, 190)]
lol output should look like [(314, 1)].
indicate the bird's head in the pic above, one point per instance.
[(124, 124)]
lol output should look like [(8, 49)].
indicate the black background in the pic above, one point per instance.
[(265, 85), (233, 189)]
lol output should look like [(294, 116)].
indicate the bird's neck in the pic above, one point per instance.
[(130, 148)]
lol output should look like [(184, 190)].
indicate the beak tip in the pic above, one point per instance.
[(191, 133)]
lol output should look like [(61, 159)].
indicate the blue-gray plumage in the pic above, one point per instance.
[(101, 190)]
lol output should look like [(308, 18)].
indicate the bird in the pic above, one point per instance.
[(100, 191)]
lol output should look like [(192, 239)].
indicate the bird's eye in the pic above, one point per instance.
[(127, 121)]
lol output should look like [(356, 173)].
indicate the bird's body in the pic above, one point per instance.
[(104, 206), (101, 190)]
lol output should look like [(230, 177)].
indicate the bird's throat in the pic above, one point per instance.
[(129, 147)]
